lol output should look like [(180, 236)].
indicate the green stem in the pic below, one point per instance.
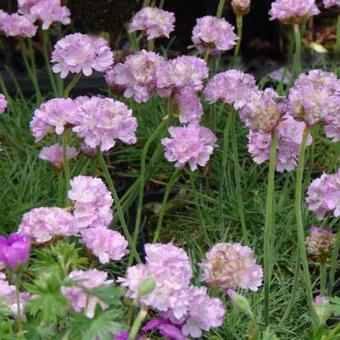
[(299, 223), (323, 274), (337, 46), (268, 228), (107, 176), (71, 85), (146, 148), (198, 207), (17, 295), (151, 45), (239, 25), (223, 180), (220, 8), (297, 53), (66, 164), (138, 323), (172, 181), (334, 261), (45, 35), (237, 174)]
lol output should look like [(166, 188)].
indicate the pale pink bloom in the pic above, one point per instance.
[(81, 301), (154, 21), (3, 103), (320, 241), (16, 25), (54, 154), (189, 106), (330, 3)]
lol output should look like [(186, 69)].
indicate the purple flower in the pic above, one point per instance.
[(231, 266), (54, 116), (263, 110), (14, 250), (78, 52), (320, 299), (192, 145), (232, 87), (315, 98), (54, 154), (323, 195), (3, 103), (189, 106), (320, 241), (332, 127), (43, 224), (121, 336), (176, 74), (213, 34), (166, 328), (154, 21), (92, 202), (289, 133), (136, 76), (103, 121), (293, 11), (241, 7), (104, 243), (330, 3), (16, 25), (79, 299)]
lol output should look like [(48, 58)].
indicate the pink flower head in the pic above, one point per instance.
[(320, 241), (104, 243), (181, 72), (192, 145), (319, 299), (315, 97), (232, 87), (154, 21), (43, 224), (241, 7), (16, 25), (80, 300), (103, 121), (54, 154), (136, 76), (213, 34), (289, 133), (54, 116), (263, 110), (92, 202), (47, 11), (170, 268), (231, 266), (78, 52), (331, 3), (332, 126), (189, 106), (3, 103), (14, 250), (323, 195), (293, 11)]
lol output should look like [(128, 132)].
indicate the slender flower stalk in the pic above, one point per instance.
[(239, 25), (17, 296), (138, 323), (107, 176), (299, 222), (172, 181), (268, 229), (67, 171), (297, 52), (46, 37), (220, 8), (71, 85), (334, 262), (323, 278)]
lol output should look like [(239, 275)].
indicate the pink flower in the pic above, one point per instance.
[(189, 106), (315, 97), (293, 11), (232, 87), (92, 202), (231, 266), (213, 34), (43, 224), (181, 72), (79, 299), (263, 110), (154, 21), (330, 3), (241, 7), (192, 145), (54, 116), (332, 127), (323, 195), (103, 121), (289, 133), (136, 76), (54, 154), (170, 268), (320, 241), (16, 25), (78, 52), (3, 103), (104, 243)]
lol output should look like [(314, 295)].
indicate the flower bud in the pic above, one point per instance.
[(146, 287), (240, 7), (321, 308), (240, 302)]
